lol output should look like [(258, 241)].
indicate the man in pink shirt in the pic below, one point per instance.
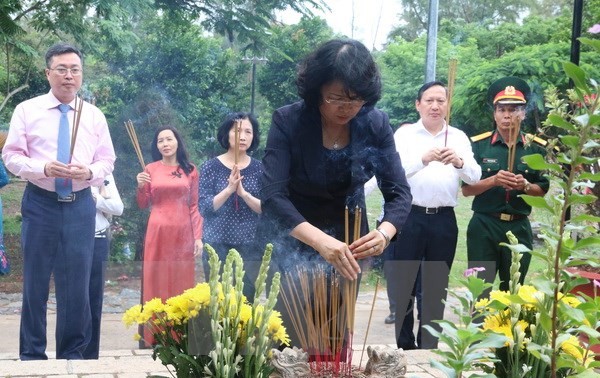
[(57, 234)]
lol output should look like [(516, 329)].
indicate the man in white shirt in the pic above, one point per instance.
[(435, 157)]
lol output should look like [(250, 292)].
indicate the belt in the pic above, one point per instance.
[(53, 195), (431, 210), (507, 217), (102, 234)]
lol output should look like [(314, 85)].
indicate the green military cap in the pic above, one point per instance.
[(508, 90)]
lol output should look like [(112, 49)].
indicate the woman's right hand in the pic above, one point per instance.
[(338, 254), (143, 178)]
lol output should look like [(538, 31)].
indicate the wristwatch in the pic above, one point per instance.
[(527, 186)]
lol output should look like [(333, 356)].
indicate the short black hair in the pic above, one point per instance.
[(428, 85), (227, 124), (344, 60), (60, 49), (182, 155), (517, 106)]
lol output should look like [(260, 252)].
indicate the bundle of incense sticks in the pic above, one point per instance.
[(451, 78), (322, 307), (134, 140), (76, 119), (316, 302), (237, 126)]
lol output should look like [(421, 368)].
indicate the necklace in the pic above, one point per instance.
[(335, 145)]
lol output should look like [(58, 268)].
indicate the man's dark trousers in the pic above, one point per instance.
[(428, 241), (57, 238), (101, 248)]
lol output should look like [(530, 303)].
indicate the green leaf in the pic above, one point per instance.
[(558, 121), (595, 43), (591, 241), (590, 176), (449, 372), (594, 120), (585, 160), (586, 218), (537, 162), (583, 199), (536, 201), (576, 74), (570, 140)]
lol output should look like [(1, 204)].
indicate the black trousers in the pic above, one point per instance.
[(428, 242)]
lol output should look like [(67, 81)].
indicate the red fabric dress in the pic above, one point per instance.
[(174, 224)]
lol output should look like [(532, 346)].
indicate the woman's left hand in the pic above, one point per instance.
[(372, 244), (198, 247)]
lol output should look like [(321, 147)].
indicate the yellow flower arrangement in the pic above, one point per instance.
[(516, 315), (239, 335)]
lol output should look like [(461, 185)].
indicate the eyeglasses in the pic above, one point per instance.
[(63, 71), (340, 103)]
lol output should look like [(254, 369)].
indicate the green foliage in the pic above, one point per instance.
[(402, 70), (544, 316), (276, 80), (485, 13), (467, 343)]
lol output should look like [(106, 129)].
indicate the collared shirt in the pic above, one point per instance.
[(435, 184), (32, 142), (108, 202)]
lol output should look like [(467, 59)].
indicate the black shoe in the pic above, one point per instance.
[(391, 318), (409, 347)]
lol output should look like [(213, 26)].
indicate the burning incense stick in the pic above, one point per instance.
[(237, 126), (76, 120), (134, 140), (513, 134), (451, 78), (346, 234), (357, 216), (369, 323)]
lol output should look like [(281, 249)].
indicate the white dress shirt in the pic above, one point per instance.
[(32, 141), (108, 202), (435, 184)]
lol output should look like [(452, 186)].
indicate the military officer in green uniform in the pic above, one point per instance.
[(497, 207)]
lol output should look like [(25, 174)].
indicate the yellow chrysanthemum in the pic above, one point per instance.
[(572, 347), (499, 323), (131, 316), (245, 313), (149, 309), (481, 304), (500, 296), (569, 299), (200, 295), (530, 295), (281, 336), (275, 322)]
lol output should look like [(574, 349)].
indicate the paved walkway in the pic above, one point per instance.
[(120, 358)]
